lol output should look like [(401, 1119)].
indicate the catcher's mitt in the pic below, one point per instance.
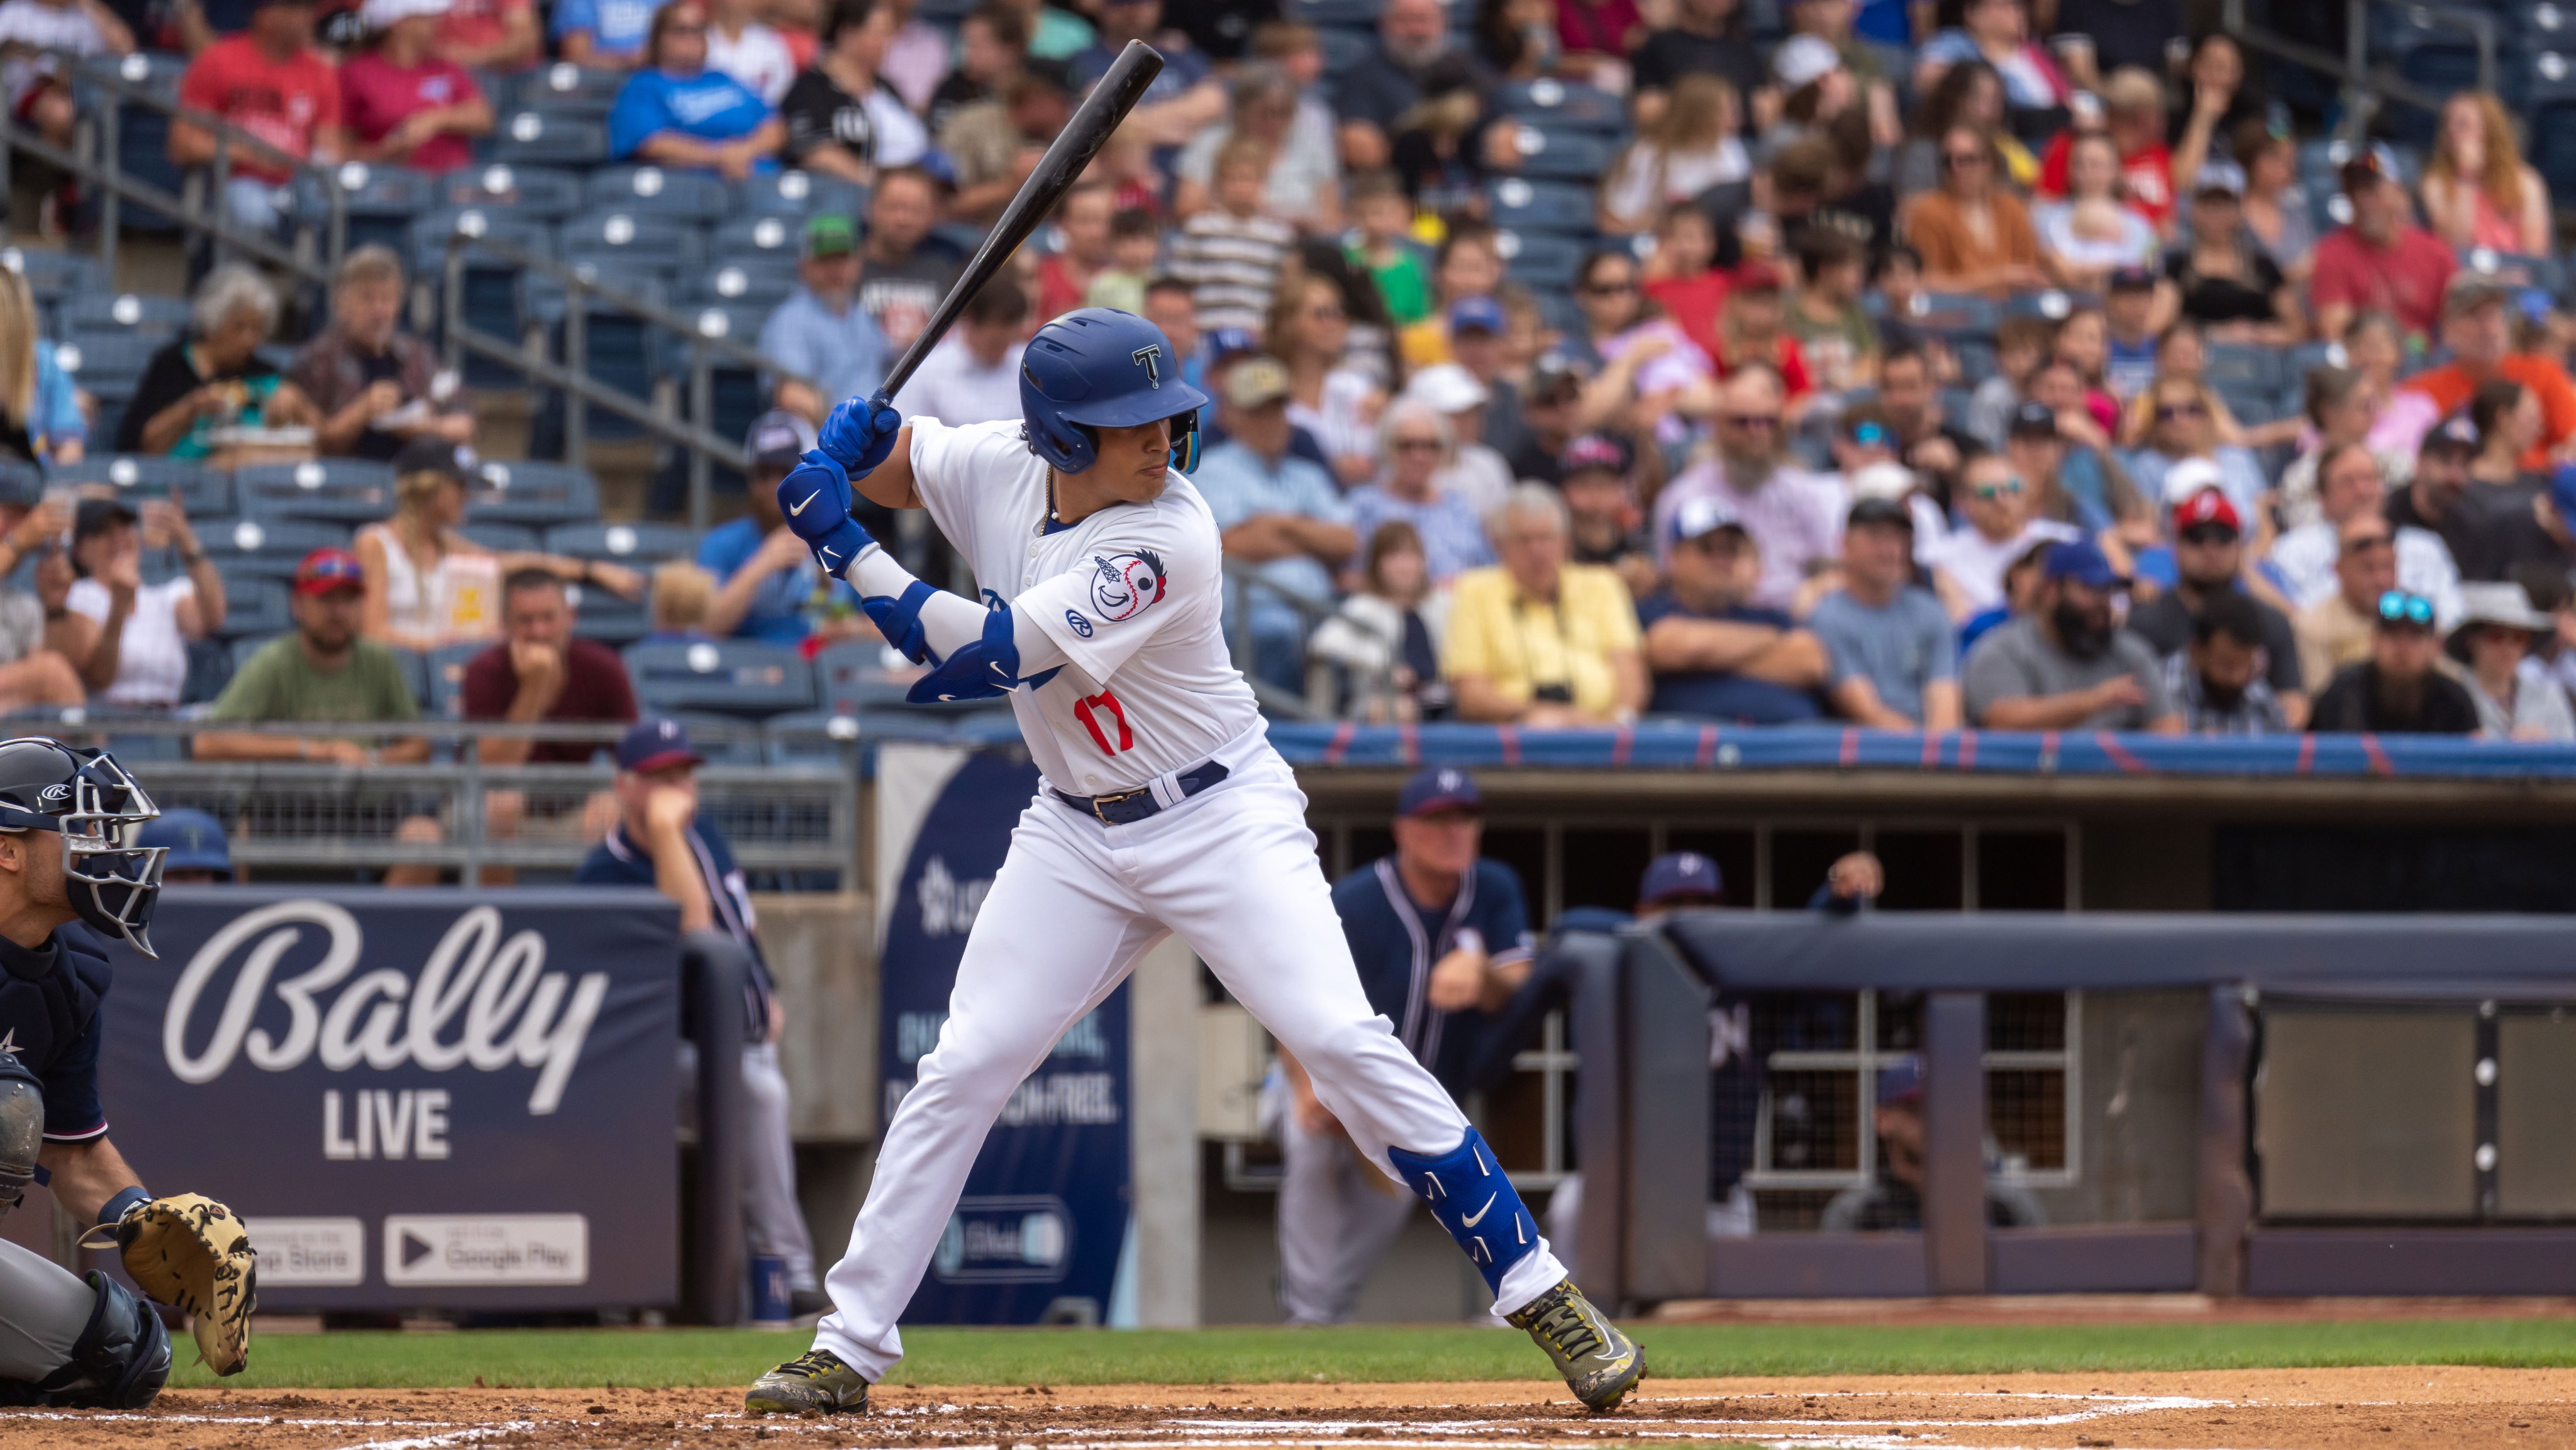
[(193, 1254)]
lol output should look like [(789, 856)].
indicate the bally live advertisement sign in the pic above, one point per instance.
[(439, 1097)]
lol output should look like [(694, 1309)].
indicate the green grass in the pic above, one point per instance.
[(591, 1358)]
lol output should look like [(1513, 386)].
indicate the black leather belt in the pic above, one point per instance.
[(1127, 807)]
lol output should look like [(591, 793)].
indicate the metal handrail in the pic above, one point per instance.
[(1311, 611), (2365, 86), (580, 389)]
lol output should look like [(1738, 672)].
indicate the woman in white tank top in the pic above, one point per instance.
[(429, 586)]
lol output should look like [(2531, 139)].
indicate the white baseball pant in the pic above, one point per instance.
[(1233, 871)]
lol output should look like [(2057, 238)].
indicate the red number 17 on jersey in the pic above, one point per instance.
[(1092, 709)]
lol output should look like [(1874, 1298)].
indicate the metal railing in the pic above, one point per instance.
[(1242, 581), (300, 815), (2365, 87), (581, 391)]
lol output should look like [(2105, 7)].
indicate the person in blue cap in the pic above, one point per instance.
[(2068, 665), (1441, 937), (660, 840), (1893, 1196), (193, 848)]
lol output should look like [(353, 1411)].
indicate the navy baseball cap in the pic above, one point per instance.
[(1680, 876), (2132, 279), (2455, 434), (1440, 788), (778, 439), (650, 745), (1226, 342), (1900, 1079), (2083, 561), (195, 842)]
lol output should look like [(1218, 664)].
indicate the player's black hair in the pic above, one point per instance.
[(2231, 613), (846, 15)]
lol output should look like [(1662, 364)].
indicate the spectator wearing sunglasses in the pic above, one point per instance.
[(2400, 689), (1792, 516), (2183, 424), (2209, 557), (2068, 665), (1974, 235), (2335, 631), (1968, 566), (2349, 484)]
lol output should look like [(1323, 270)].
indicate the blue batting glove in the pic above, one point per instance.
[(859, 436), (816, 501)]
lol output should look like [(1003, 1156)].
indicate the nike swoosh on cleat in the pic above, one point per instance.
[(1478, 1216), (800, 508)]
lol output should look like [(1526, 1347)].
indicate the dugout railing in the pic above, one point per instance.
[(2284, 1106)]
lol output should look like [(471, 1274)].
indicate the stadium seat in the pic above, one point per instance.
[(536, 192), (1562, 154), (665, 243), (344, 490), (245, 646), (696, 196), (609, 619), (567, 87), (2052, 305), (2541, 272), (52, 274), (852, 678), (142, 132), (203, 492), (20, 479), (738, 321), (822, 738), (1540, 206), (539, 495), (269, 547), (765, 238), (797, 192), (720, 738), (619, 349), (1540, 258), (503, 538), (107, 366), (753, 281), (82, 315), (415, 672), (2243, 368), (535, 138), (1357, 14), (378, 201), (1551, 102), (1344, 46), (254, 604), (638, 546), (430, 234), (730, 677)]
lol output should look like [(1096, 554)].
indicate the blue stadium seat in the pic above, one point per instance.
[(430, 233), (619, 350), (2053, 304), (698, 196), (2549, 69), (852, 678), (135, 314), (798, 192), (738, 321), (535, 138), (1562, 154), (824, 738), (2553, 145), (1955, 318), (1553, 102), (729, 676), (1345, 46), (269, 548), (609, 619), (142, 132), (245, 646), (539, 192), (539, 495), (107, 366), (713, 732), (566, 88), (52, 274), (1540, 206), (378, 201), (444, 670), (664, 243), (766, 236), (503, 538), (2541, 272), (415, 672), (1357, 14), (254, 604), (203, 492), (636, 545), (1541, 257), (2245, 368), (341, 490), (757, 281), (20, 479)]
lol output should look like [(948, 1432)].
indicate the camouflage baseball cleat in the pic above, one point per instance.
[(1599, 1363), (813, 1383)]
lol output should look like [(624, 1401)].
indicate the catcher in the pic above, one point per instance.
[(69, 851)]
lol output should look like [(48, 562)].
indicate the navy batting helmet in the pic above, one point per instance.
[(1097, 367)]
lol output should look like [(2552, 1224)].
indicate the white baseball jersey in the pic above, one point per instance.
[(1132, 595)]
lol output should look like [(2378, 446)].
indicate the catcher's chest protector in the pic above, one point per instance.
[(43, 1015)]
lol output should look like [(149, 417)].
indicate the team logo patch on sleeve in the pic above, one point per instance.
[(1123, 584), (1079, 625)]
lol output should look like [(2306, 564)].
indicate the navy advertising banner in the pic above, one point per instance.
[(1037, 1233), (444, 1098)]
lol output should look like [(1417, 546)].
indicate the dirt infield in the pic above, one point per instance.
[(2229, 1410)]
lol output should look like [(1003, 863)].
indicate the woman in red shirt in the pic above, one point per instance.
[(402, 103), (1749, 330)]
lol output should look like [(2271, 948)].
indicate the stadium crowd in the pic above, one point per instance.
[(2007, 363)]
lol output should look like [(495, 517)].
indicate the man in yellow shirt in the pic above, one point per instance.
[(1535, 640)]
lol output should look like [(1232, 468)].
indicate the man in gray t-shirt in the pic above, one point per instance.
[(1893, 654), (2067, 665)]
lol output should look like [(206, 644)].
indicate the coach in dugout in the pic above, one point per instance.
[(661, 841), (1441, 937)]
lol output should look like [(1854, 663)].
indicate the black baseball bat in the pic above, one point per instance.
[(1099, 114)]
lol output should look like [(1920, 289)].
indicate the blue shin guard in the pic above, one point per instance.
[(1469, 1195)]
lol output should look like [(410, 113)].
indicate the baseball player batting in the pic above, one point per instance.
[(1162, 809)]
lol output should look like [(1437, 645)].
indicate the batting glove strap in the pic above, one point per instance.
[(843, 543), (859, 436)]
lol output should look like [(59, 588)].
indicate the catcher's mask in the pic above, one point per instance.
[(99, 811)]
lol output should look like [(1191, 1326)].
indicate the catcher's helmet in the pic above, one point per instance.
[(100, 812), (1097, 367)]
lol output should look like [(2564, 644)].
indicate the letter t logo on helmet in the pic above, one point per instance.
[(1071, 386)]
